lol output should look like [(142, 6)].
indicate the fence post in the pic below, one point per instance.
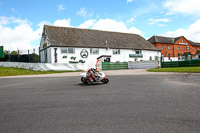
[(18, 55), (28, 56), (161, 59)]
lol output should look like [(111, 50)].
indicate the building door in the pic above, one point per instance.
[(55, 55), (107, 59)]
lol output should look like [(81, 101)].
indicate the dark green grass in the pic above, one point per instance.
[(177, 69), (10, 71)]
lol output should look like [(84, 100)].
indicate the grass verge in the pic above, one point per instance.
[(177, 69), (10, 71)]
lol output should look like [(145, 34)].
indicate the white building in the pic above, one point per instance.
[(73, 45)]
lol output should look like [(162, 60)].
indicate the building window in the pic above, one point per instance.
[(169, 57), (183, 48), (150, 58), (195, 49), (162, 47), (168, 47), (94, 51), (182, 41), (156, 58), (138, 51), (188, 48), (64, 50), (178, 48), (71, 50), (67, 50), (116, 51)]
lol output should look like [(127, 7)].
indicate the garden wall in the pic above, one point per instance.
[(49, 66)]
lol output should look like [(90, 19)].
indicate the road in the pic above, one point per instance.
[(152, 103)]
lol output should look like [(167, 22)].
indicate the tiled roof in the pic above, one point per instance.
[(161, 39), (168, 40), (193, 43), (75, 37)]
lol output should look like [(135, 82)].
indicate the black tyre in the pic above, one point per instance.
[(84, 80), (106, 81)]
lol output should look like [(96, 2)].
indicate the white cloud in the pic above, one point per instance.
[(5, 20), (192, 33), (110, 25), (8, 20), (22, 35), (18, 37), (87, 24), (63, 22), (61, 7), (161, 25), (129, 1), (190, 7), (84, 13), (117, 26), (131, 19), (155, 21)]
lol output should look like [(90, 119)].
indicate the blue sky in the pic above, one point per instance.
[(21, 21)]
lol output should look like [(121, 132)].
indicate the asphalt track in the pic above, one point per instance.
[(140, 103)]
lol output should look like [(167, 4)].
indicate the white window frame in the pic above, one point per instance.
[(94, 51), (188, 48), (116, 51), (162, 47), (67, 50)]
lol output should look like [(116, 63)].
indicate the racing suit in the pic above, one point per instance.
[(91, 75)]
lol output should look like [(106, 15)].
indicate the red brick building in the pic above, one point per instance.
[(178, 48)]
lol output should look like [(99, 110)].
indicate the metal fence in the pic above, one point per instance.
[(143, 64), (188, 63), (30, 56), (114, 65), (20, 58)]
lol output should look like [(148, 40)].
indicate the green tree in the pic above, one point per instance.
[(36, 58), (14, 53)]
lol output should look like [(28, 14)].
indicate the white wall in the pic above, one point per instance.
[(171, 59), (91, 59), (47, 66)]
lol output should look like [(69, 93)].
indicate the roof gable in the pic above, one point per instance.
[(182, 41), (75, 37)]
